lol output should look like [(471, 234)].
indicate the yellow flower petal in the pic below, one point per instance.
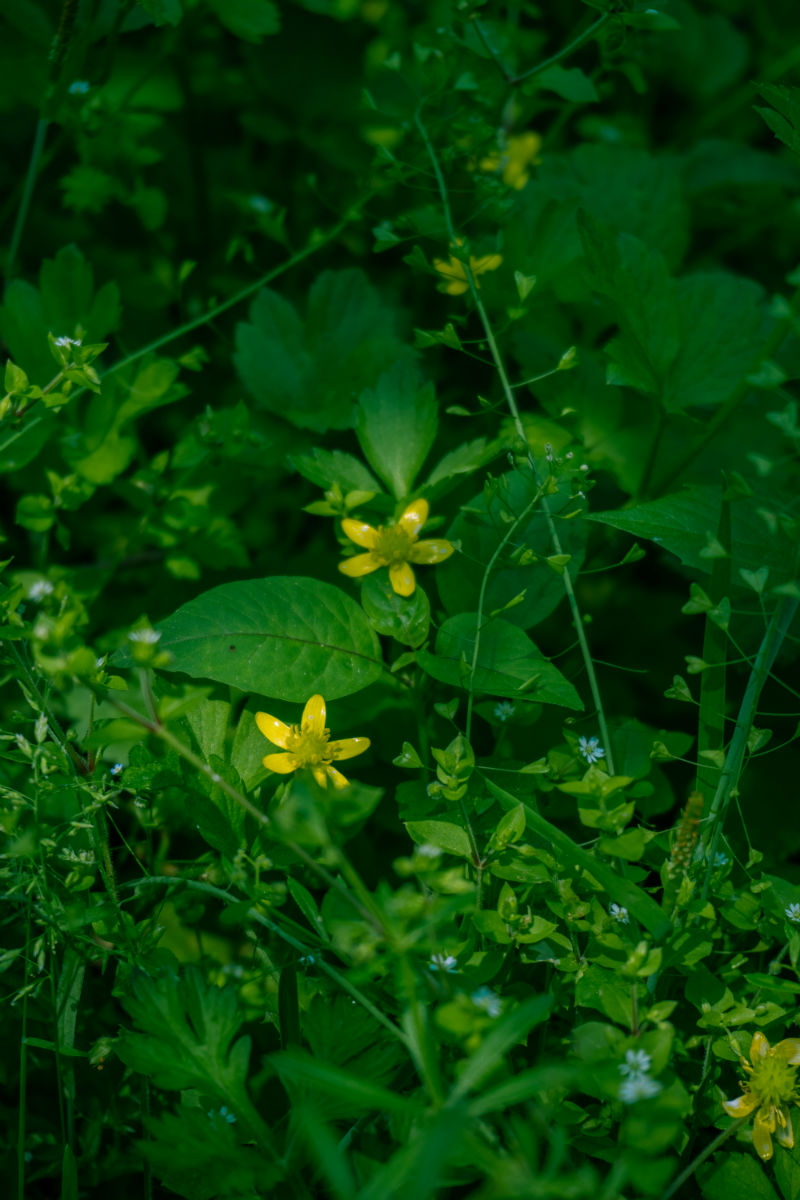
[(360, 564), (761, 1137), (348, 747), (314, 716), (320, 774), (281, 764), (360, 533), (414, 516), (489, 262), (790, 1050), (759, 1048), (784, 1132), (458, 288), (337, 778), (430, 550), (273, 730), (742, 1106), (453, 268), (402, 579)]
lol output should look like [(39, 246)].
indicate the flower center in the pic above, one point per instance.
[(394, 543), (773, 1081), (310, 749)]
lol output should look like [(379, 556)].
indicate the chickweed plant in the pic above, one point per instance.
[(401, 562)]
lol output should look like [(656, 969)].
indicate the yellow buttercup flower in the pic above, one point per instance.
[(308, 745), (453, 271), (768, 1092), (395, 547), (520, 153)]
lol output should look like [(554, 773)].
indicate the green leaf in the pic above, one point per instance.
[(739, 1177), (405, 618), (443, 834), (310, 372), (283, 637), (250, 20), (785, 122), (460, 578), (568, 82), (685, 521), (163, 12), (461, 461), (508, 661), (511, 1028), (186, 1032), (200, 1154), (396, 426), (524, 1086), (605, 991), (620, 890), (787, 1169), (298, 1067), (327, 467)]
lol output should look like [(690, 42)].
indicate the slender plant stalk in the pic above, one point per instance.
[(701, 1157), (771, 643), (23, 1062), (27, 195), (711, 717), (574, 45), (508, 391)]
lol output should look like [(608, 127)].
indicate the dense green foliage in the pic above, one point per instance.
[(435, 363)]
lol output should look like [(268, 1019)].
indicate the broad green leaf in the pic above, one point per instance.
[(461, 461), (326, 467), (480, 525), (787, 1168), (507, 662), (405, 618), (739, 1177), (620, 890), (251, 20), (568, 82), (606, 992), (311, 371), (685, 523), (283, 637), (444, 834), (784, 118), (396, 426)]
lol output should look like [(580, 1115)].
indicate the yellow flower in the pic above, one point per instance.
[(308, 745), (453, 271), (768, 1091), (395, 547), (521, 151)]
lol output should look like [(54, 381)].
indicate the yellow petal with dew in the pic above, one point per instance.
[(789, 1049), (783, 1131), (759, 1048), (348, 747), (402, 579), (281, 764), (414, 516), (320, 775), (742, 1106), (360, 564), (273, 730), (360, 533), (430, 550), (337, 778), (314, 716), (762, 1139)]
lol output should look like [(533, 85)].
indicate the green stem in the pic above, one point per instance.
[(771, 643), (53, 726), (23, 1063), (702, 1156), (579, 41), (27, 194)]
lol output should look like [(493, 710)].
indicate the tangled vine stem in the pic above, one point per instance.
[(508, 391)]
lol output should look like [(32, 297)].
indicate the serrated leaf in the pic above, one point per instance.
[(310, 371), (327, 467), (283, 637)]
